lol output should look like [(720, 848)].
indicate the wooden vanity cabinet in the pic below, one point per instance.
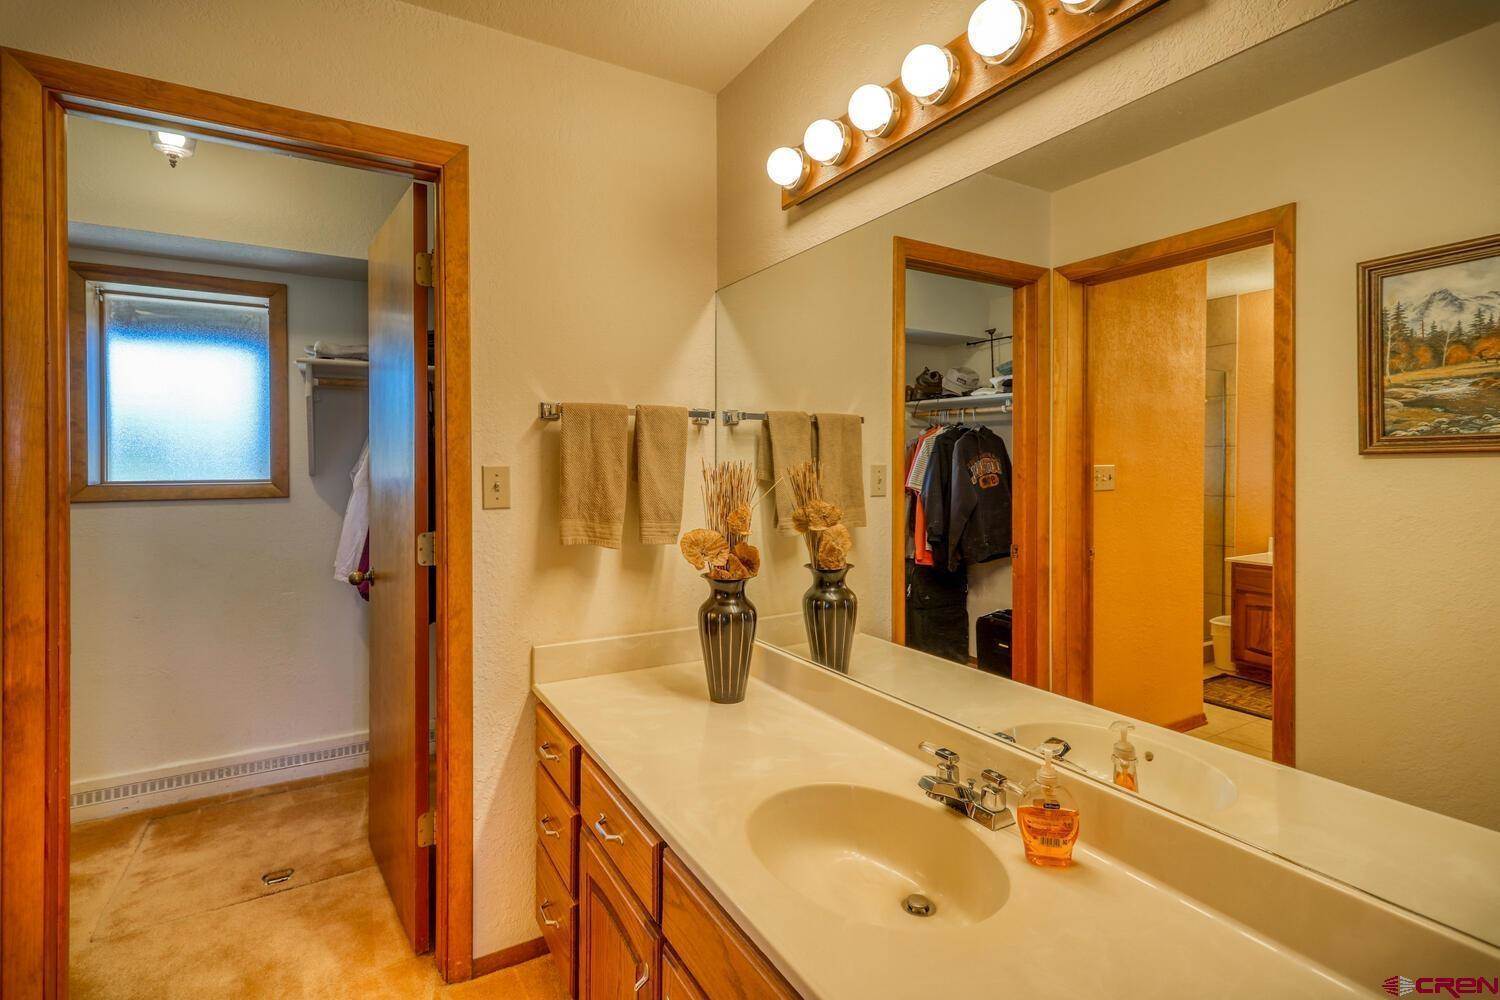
[(619, 944), (1250, 620), (634, 924)]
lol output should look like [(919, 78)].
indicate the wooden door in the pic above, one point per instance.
[(399, 786), (1146, 388), (618, 947)]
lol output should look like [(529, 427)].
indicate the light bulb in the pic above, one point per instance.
[(826, 141), (787, 167), (1084, 6), (874, 110), (928, 73), (998, 29), (173, 145)]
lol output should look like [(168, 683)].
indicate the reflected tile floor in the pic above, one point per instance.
[(1236, 730), (169, 906)]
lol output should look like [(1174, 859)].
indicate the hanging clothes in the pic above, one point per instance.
[(354, 536), (937, 490), (979, 499)]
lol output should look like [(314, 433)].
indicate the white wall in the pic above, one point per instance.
[(224, 192), (208, 629), (592, 266), (1398, 600)]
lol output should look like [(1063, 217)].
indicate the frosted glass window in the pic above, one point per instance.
[(186, 390)]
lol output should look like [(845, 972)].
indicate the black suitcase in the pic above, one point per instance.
[(992, 636)]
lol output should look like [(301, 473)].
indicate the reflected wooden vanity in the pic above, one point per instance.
[(1250, 610), (618, 910)]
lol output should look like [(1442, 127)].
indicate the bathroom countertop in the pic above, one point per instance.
[(1358, 837), (697, 771)]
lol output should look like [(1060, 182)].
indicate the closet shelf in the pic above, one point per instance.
[(1001, 404), (329, 373)]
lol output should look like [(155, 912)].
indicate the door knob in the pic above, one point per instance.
[(367, 577)]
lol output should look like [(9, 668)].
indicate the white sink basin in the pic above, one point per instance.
[(1170, 777), (861, 852)]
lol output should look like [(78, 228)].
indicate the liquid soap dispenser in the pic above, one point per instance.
[(1124, 757), (1048, 815)]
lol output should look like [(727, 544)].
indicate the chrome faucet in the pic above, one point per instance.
[(983, 803)]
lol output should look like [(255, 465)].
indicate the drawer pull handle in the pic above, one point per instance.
[(542, 912), (546, 752), (546, 824), (641, 982), (613, 838)]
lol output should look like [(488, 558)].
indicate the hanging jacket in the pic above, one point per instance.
[(979, 499), (937, 489)]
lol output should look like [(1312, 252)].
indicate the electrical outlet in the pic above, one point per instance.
[(877, 480), (496, 486), (1104, 478)]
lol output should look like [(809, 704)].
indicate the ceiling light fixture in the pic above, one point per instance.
[(787, 167), (1084, 6), (173, 145), (826, 141), (999, 29), (874, 110), (928, 73)]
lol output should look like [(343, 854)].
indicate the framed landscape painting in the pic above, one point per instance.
[(1429, 350)]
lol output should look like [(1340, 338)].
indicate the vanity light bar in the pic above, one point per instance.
[(1006, 42)]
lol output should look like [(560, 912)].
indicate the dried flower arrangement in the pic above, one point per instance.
[(821, 523), (722, 548)]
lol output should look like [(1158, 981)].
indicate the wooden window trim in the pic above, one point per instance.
[(81, 385)]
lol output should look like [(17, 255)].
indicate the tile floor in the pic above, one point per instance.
[(168, 906), (1236, 730)]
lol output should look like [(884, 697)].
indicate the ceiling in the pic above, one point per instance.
[(702, 43), (1238, 273)]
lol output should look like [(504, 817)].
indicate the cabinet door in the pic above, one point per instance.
[(619, 949), (676, 984)]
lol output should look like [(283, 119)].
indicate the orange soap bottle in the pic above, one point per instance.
[(1048, 816), (1123, 757)]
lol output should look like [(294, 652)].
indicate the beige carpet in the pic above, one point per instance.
[(172, 906)]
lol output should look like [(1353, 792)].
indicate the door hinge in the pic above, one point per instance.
[(427, 829), (424, 269), (427, 548)]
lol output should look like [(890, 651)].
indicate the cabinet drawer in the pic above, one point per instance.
[(722, 961), (622, 835), (557, 752), (557, 828), (676, 984), (557, 916), (619, 947)]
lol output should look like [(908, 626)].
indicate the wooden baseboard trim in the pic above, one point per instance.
[(1191, 722), (506, 957)]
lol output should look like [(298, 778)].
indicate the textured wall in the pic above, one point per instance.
[(1398, 602), (213, 628), (811, 68), (592, 210)]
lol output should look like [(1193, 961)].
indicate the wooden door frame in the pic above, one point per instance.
[(1031, 351), (36, 92), (1073, 495)]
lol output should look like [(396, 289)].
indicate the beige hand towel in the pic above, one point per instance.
[(785, 440), (595, 464), (661, 434), (841, 464)]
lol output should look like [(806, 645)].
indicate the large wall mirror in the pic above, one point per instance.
[(1115, 476)]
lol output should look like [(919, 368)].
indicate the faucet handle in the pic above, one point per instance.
[(992, 791), (947, 759)]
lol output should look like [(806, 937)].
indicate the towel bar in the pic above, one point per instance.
[(733, 417), (553, 411)]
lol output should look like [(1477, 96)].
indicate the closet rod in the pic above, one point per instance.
[(553, 411), (732, 417)]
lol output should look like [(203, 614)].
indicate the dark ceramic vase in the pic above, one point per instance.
[(726, 625), (829, 610)]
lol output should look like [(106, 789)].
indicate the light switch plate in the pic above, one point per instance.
[(496, 486), (1104, 478), (877, 480)]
